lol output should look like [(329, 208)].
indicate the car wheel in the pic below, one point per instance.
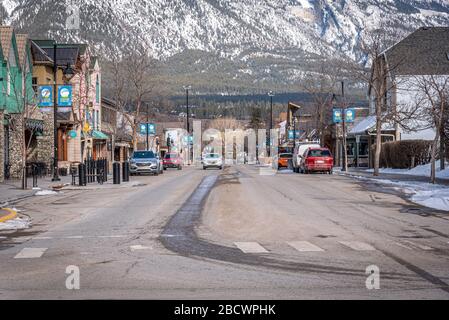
[(204, 168), (165, 168), (179, 168)]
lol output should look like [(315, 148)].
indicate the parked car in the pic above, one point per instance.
[(298, 152), (145, 162), (283, 160), (212, 160), (172, 160), (317, 159)]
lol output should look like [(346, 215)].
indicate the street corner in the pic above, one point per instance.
[(7, 214)]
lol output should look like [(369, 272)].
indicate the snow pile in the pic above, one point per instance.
[(423, 170), (426, 194), (14, 224), (45, 193)]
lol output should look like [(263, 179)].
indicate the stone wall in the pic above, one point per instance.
[(46, 141), (2, 137), (16, 146)]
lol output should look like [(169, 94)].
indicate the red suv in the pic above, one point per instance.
[(172, 160), (317, 159)]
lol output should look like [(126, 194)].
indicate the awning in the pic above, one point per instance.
[(98, 135), (368, 124)]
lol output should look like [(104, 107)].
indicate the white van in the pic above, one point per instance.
[(299, 152)]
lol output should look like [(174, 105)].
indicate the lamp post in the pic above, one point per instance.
[(187, 88), (147, 129), (271, 95), (68, 74)]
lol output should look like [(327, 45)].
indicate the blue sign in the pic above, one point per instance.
[(45, 96), (72, 134), (151, 128), (65, 96), (297, 133), (337, 115)]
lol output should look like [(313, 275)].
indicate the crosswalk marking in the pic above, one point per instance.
[(139, 247), (304, 246), (250, 247), (29, 253), (359, 246)]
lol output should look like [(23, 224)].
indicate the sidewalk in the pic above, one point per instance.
[(11, 190), (391, 176)]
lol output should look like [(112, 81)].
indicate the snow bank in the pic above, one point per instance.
[(14, 224), (45, 193), (426, 194), (423, 170)]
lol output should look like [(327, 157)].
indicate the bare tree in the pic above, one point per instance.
[(433, 94)]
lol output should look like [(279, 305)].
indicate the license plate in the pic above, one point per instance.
[(319, 161)]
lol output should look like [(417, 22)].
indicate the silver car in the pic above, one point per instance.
[(145, 162), (212, 160)]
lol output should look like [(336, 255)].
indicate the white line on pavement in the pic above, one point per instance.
[(304, 246), (28, 253), (250, 247), (42, 238), (359, 246), (74, 237), (139, 247)]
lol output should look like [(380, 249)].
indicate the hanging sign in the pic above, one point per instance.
[(45, 96)]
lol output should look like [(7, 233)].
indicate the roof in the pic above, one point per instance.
[(423, 52), (64, 55), (22, 41), (93, 60), (368, 124), (6, 33), (39, 55)]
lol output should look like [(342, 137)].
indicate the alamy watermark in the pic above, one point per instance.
[(72, 281), (373, 280)]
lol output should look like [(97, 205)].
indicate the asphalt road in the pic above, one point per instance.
[(239, 233)]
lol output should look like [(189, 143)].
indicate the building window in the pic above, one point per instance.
[(34, 84)]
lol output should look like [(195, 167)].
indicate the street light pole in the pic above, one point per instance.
[(271, 95), (55, 120), (187, 88), (343, 122), (147, 129)]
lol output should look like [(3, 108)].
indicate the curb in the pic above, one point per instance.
[(12, 214)]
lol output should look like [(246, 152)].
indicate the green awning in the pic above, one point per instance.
[(99, 135)]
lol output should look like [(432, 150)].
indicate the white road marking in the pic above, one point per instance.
[(403, 245), (113, 236), (74, 237), (304, 246), (359, 246), (42, 238), (250, 247), (28, 253), (417, 245), (139, 247)]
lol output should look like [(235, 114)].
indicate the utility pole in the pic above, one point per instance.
[(343, 123), (147, 129), (271, 95), (55, 120), (187, 88)]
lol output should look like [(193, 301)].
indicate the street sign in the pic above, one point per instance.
[(45, 96), (72, 134), (151, 128), (337, 115)]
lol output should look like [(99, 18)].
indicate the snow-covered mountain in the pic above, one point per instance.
[(245, 41)]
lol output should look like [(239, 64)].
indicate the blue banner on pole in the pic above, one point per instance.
[(292, 133), (45, 96), (151, 128), (337, 115), (65, 96)]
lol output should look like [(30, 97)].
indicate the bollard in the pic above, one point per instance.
[(34, 172), (125, 171), (82, 174), (116, 172)]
